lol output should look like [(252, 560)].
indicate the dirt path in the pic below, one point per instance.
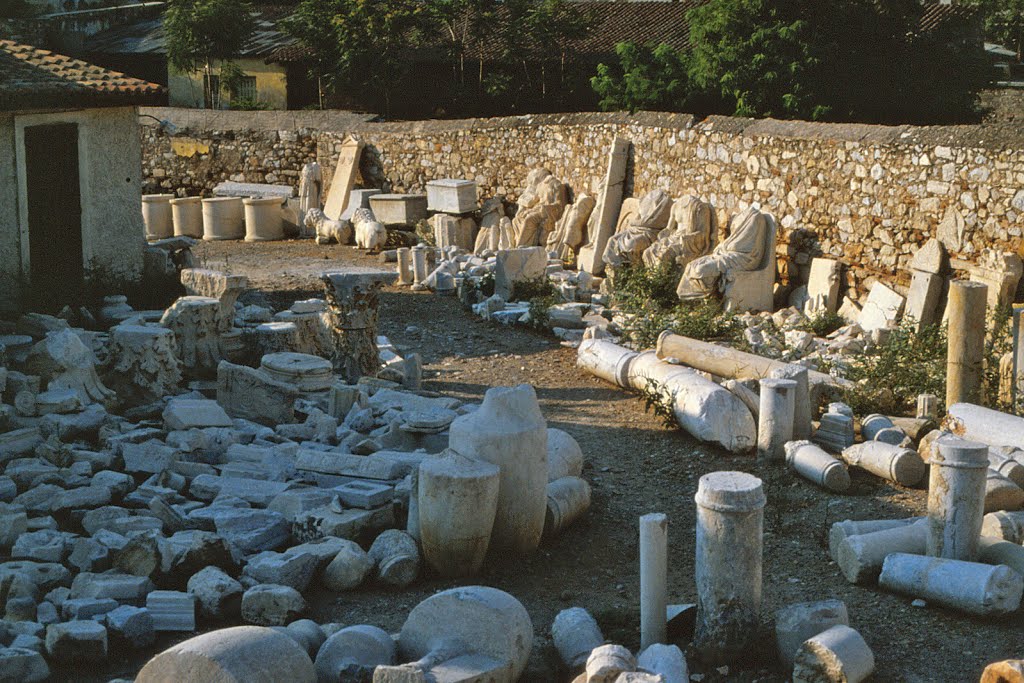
[(635, 465)]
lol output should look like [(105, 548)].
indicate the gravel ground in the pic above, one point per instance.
[(635, 465)]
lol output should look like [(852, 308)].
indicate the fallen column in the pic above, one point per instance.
[(900, 465), (1008, 526), (775, 417), (843, 530), (575, 634), (794, 624), (732, 364), (995, 551), (971, 587), (860, 557), (965, 356), (811, 462), (985, 425), (838, 654), (193, 320), (606, 360), (706, 410), (568, 498), (667, 661), (730, 523), (653, 578), (607, 662), (1001, 493), (956, 498)]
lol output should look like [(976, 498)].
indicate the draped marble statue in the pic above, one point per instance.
[(751, 235), (636, 235), (495, 228), (310, 187), (540, 206), (690, 233), (570, 230)]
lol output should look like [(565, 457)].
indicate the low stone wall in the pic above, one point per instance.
[(868, 195)]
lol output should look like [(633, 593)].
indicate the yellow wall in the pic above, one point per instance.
[(186, 89)]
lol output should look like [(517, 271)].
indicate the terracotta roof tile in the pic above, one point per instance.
[(31, 78)]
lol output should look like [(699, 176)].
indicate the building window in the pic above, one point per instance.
[(211, 92), (246, 89)]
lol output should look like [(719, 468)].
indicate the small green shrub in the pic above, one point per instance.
[(485, 285), (638, 287), (705, 320), (998, 342), (528, 290), (823, 323), (656, 401), (540, 320), (889, 379)]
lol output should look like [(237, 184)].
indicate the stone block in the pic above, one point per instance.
[(125, 588), (930, 258), (252, 394), (21, 665), (796, 623), (450, 195), (293, 569), (172, 610), (399, 209), (358, 199), (350, 524), (823, 285), (81, 609), (923, 298), (151, 457), (252, 530), (294, 502), (364, 494), (77, 641), (517, 265), (217, 595), (344, 464), (230, 188), (188, 413), (43, 575), (132, 626), (453, 231), (271, 605), (344, 177), (882, 309), (254, 491)]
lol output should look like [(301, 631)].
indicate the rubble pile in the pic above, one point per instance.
[(177, 484)]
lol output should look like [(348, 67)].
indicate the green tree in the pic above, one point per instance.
[(1003, 22), (651, 78), (201, 32), (361, 44)]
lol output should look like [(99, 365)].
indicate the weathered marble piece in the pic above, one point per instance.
[(352, 301), (495, 229), (923, 298), (956, 498), (540, 206), (326, 230), (144, 364), (61, 360), (965, 348), (570, 231), (750, 248), (453, 231), (521, 264), (310, 186), (838, 654), (823, 286), (221, 286), (398, 210), (194, 322), (653, 578), (264, 220), (640, 230), (1001, 272), (971, 587), (882, 309), (689, 234), (252, 394), (601, 225), (451, 195), (344, 177), (187, 213)]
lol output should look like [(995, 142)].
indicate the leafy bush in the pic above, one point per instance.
[(528, 290), (637, 287), (890, 377), (823, 323), (651, 78)]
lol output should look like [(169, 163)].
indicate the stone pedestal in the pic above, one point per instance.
[(923, 298), (263, 219), (775, 418), (193, 319), (312, 337), (730, 519), (956, 498), (187, 215), (302, 371), (399, 209), (352, 301), (653, 578), (509, 431), (276, 337), (221, 286), (420, 266), (457, 499), (801, 397), (223, 218), (157, 216), (404, 267), (451, 195), (838, 654), (966, 346)]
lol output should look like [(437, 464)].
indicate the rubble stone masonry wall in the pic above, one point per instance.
[(868, 195)]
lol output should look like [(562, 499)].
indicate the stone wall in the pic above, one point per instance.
[(868, 195)]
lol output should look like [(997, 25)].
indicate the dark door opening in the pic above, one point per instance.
[(54, 216)]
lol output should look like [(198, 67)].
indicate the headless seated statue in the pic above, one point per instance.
[(689, 234), (568, 234), (743, 250), (540, 206), (628, 244)]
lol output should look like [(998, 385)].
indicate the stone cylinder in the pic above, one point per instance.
[(575, 634), (956, 499), (187, 217), (872, 424), (565, 457), (1004, 461), (860, 557), (1008, 526), (404, 266), (264, 220), (223, 218), (927, 406), (795, 623), (509, 431), (995, 551), (606, 360), (985, 425), (412, 524), (653, 579), (397, 558), (457, 499), (980, 589), (420, 266), (667, 661), (568, 499), (847, 528), (965, 355), (730, 523), (607, 662), (814, 464), (839, 654), (801, 398), (254, 654), (353, 653), (157, 216), (1001, 493), (775, 417), (885, 460)]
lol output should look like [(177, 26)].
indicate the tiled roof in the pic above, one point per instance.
[(935, 15), (31, 78)]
